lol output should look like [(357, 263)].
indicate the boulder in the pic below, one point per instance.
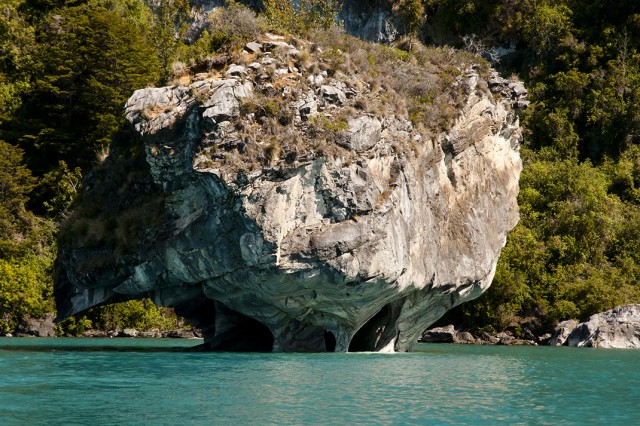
[(151, 334), (95, 333), (128, 332), (517, 89), (332, 94), (236, 71), (464, 337), (38, 327), (616, 328), (182, 334), (445, 334), (505, 338), (253, 47), (273, 45), (489, 339), (363, 133), (562, 332), (223, 99)]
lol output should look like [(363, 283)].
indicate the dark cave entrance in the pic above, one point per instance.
[(250, 336), (329, 341), (371, 335), (236, 332)]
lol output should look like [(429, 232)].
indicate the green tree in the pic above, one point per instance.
[(88, 62), (19, 228), (306, 15), (64, 185), (168, 28), (412, 14), (547, 26), (17, 42), (569, 256), (459, 17), (139, 314)]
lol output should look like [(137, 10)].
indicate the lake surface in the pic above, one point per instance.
[(139, 381)]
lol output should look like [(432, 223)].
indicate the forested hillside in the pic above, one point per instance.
[(575, 251), (67, 67)]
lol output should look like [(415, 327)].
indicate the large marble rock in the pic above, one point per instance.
[(616, 328), (339, 249)]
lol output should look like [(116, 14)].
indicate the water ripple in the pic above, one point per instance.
[(95, 381)]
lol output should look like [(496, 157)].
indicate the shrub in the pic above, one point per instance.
[(142, 315), (232, 26), (411, 12), (309, 15), (25, 290), (330, 124)]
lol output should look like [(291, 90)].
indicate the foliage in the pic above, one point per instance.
[(574, 252), (64, 184), (67, 67), (451, 17), (546, 27), (411, 12), (570, 255), (21, 232), (139, 314), (25, 289), (15, 184), (87, 62), (168, 27), (231, 27), (309, 15), (17, 41), (142, 315)]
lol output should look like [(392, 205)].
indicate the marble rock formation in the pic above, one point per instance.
[(359, 251), (616, 328)]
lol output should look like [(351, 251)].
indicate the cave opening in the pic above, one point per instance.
[(254, 337), (236, 332), (368, 337), (329, 341)]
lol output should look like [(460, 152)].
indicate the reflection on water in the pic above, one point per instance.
[(155, 382)]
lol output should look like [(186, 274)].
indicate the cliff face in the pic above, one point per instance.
[(324, 226)]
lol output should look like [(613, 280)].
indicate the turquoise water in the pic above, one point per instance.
[(137, 381)]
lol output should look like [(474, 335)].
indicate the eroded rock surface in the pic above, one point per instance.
[(356, 244), (562, 332), (616, 328)]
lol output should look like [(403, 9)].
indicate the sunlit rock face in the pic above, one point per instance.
[(616, 328), (360, 249)]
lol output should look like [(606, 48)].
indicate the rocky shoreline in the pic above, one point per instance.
[(188, 333), (45, 327), (449, 334), (617, 328)]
